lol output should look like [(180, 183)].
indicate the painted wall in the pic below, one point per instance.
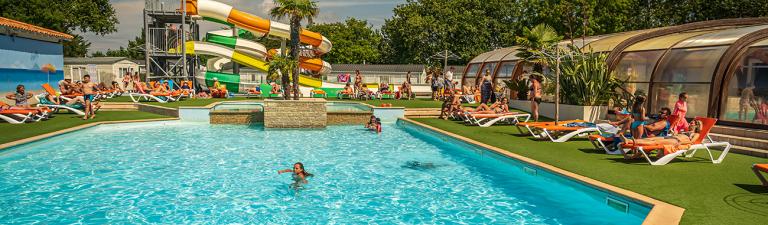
[(22, 60)]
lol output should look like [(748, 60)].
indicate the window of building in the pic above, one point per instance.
[(687, 70), (746, 97)]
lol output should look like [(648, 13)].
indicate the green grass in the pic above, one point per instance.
[(186, 102), (13, 132), (726, 193), (415, 103)]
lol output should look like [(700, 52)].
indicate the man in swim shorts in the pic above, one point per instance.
[(88, 96)]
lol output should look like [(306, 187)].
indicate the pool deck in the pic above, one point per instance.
[(662, 213), (73, 129)]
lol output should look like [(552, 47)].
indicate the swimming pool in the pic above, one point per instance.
[(239, 106), (181, 173), (346, 107)]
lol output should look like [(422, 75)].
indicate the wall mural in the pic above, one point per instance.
[(29, 62)]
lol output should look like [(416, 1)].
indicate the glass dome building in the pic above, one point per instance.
[(721, 64)]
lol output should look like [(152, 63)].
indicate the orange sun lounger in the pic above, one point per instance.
[(688, 149), (757, 168)]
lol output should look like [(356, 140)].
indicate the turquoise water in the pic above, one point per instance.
[(182, 173), (239, 106), (346, 107)]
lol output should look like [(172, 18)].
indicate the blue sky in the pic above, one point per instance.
[(129, 13)]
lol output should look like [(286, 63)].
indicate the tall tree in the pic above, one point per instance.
[(354, 41), (420, 29), (295, 11), (68, 16), (534, 42)]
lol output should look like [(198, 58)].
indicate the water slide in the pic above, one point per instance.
[(227, 46)]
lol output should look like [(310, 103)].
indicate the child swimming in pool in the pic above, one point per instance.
[(374, 124), (299, 174)]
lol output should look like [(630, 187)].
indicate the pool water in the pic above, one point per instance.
[(182, 173), (239, 106), (346, 107)]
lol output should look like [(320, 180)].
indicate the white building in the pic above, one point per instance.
[(101, 69)]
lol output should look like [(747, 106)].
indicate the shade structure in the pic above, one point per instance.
[(723, 67)]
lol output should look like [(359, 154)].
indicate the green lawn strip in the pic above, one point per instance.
[(726, 193), (185, 102), (13, 132), (413, 103)]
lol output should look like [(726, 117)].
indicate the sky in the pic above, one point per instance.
[(129, 13)]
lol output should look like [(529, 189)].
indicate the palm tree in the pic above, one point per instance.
[(534, 42), (281, 66), (296, 11)]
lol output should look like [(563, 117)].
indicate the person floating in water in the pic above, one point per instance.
[(416, 165), (374, 124), (299, 174)]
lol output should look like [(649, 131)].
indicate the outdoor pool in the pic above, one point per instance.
[(346, 107), (239, 106), (182, 173)]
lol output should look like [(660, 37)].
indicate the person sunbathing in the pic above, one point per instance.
[(671, 143), (160, 90), (347, 90), (276, 89), (661, 126), (495, 108), (116, 87)]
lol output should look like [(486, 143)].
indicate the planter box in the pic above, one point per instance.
[(567, 112)]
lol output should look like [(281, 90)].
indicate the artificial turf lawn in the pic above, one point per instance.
[(13, 132), (726, 193)]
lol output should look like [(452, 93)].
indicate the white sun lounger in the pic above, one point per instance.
[(512, 119), (137, 97), (43, 102), (15, 121)]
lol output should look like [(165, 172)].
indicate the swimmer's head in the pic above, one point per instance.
[(298, 168)]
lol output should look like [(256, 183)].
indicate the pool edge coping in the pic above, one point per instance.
[(661, 213), (73, 129)]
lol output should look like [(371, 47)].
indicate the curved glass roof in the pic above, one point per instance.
[(607, 44), (481, 58), (663, 42), (511, 57), (722, 37), (763, 42), (500, 54)]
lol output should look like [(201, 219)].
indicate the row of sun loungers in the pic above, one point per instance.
[(567, 130)]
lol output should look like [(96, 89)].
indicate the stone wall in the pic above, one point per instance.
[(304, 113), (348, 118), (225, 117)]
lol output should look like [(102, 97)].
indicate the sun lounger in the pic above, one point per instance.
[(487, 120), (571, 131), (757, 168), (529, 126), (18, 116), (43, 102), (161, 98), (687, 150)]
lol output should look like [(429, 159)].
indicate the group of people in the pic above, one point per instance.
[(82, 92), (442, 84), (748, 101), (357, 89), (641, 125)]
